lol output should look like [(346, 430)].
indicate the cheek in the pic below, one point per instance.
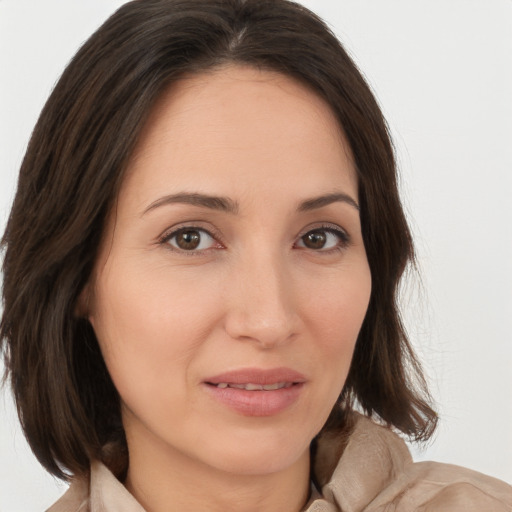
[(149, 329), (335, 318), (339, 308)]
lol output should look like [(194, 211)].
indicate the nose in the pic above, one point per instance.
[(261, 305)]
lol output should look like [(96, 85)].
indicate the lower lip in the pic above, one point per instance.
[(256, 403)]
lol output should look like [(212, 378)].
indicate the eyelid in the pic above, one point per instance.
[(328, 226), (171, 232), (337, 230)]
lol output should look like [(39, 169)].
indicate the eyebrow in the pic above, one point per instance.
[(227, 205), (325, 200), (205, 201)]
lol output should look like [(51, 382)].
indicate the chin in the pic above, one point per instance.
[(250, 464), (258, 455)]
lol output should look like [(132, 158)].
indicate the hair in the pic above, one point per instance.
[(69, 179)]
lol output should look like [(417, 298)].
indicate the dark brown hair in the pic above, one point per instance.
[(69, 179)]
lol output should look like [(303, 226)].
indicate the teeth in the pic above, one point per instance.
[(255, 387), (272, 387)]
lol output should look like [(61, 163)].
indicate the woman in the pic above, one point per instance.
[(201, 270)]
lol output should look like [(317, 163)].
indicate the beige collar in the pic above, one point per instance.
[(372, 456), (371, 471)]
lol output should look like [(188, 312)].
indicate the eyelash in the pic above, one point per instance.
[(166, 237), (342, 235)]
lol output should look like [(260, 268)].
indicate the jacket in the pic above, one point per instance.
[(374, 473)]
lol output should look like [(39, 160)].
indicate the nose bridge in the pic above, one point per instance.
[(261, 306)]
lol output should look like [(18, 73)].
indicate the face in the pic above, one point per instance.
[(233, 280)]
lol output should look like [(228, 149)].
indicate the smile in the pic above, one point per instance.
[(254, 387), (256, 391)]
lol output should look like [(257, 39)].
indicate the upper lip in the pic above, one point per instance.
[(257, 376)]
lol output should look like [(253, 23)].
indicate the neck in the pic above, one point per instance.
[(162, 478)]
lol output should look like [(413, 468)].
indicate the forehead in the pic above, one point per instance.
[(239, 126)]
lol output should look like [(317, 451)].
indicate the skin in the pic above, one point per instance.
[(256, 293)]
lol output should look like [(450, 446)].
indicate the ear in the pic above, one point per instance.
[(83, 303)]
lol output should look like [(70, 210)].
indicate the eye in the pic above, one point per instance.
[(323, 239), (190, 239)]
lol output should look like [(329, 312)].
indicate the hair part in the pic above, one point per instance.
[(69, 179)]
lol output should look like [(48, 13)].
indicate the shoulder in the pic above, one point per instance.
[(75, 499), (375, 473), (98, 492), (431, 486)]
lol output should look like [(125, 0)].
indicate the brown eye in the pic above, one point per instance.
[(323, 239), (190, 239), (315, 239)]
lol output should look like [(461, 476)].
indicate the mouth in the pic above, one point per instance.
[(257, 392), (257, 379), (254, 387)]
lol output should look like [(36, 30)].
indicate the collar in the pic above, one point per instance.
[(350, 474)]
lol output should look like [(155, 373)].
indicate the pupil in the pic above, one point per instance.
[(188, 240), (315, 240)]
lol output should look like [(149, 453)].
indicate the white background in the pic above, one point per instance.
[(442, 71)]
